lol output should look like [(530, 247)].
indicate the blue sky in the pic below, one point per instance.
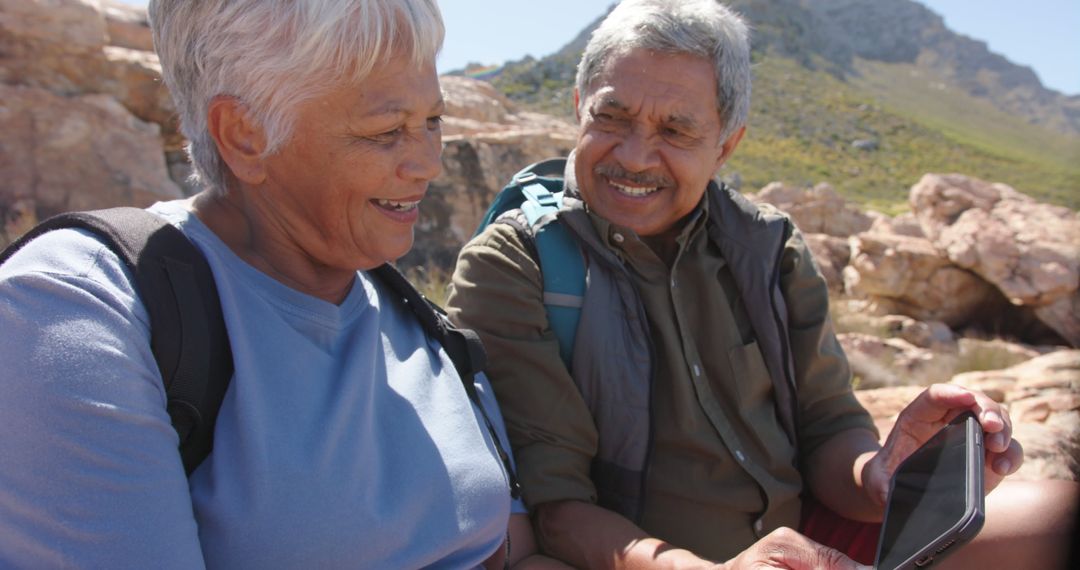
[(1042, 34)]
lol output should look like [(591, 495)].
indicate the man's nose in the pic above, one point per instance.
[(637, 151)]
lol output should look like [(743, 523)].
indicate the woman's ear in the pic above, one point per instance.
[(240, 139)]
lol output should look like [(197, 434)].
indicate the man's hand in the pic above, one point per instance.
[(785, 548), (928, 413)]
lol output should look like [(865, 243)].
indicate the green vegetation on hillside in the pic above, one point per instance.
[(804, 126)]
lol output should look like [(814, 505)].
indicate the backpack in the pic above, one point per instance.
[(187, 327), (537, 191)]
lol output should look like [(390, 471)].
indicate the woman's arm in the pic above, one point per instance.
[(90, 475)]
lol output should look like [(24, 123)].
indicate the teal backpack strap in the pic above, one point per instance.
[(534, 191), (562, 267)]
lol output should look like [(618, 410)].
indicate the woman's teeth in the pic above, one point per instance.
[(394, 205), (633, 190)]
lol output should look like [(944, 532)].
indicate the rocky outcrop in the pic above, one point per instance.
[(72, 153), (127, 26), (907, 275), (831, 254), (1030, 251), (56, 46), (817, 210), (82, 117)]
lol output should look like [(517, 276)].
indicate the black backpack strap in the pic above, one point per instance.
[(188, 335), (462, 345)]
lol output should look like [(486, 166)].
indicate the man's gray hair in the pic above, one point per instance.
[(274, 54), (704, 28)]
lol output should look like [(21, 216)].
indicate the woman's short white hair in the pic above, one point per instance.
[(274, 54), (704, 28)]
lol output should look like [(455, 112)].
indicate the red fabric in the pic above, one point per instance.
[(856, 539)]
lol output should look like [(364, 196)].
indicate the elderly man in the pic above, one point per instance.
[(707, 396)]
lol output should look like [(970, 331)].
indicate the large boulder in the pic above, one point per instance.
[(56, 45), (476, 108), (904, 224), (134, 79), (907, 275), (817, 210), (1028, 250), (127, 26), (72, 153), (831, 254)]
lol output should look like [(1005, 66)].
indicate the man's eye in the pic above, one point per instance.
[(679, 137), (387, 137), (434, 123)]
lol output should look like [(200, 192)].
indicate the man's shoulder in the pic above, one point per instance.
[(739, 217), (505, 233)]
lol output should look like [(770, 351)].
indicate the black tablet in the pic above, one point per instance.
[(935, 498)]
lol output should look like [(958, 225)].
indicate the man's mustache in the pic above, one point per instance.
[(615, 172)]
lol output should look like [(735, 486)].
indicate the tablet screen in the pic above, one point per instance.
[(929, 497)]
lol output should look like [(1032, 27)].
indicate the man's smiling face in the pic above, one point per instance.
[(649, 139)]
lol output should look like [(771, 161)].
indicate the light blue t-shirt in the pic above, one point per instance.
[(345, 439)]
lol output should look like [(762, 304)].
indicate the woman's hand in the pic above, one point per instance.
[(924, 416)]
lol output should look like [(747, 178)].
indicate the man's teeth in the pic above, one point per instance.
[(394, 205), (634, 190)]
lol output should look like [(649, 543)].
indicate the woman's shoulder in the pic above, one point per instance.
[(71, 255)]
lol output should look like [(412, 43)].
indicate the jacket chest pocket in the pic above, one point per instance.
[(755, 400)]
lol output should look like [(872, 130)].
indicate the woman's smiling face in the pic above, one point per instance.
[(346, 185)]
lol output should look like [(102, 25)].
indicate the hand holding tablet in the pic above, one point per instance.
[(935, 499)]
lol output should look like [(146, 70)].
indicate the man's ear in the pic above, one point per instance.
[(577, 109), (728, 147), (240, 139)]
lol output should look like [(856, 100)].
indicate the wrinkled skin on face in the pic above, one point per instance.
[(649, 139), (342, 193)]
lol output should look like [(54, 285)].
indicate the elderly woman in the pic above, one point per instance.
[(345, 438)]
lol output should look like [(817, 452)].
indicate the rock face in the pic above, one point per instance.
[(81, 119), (819, 210), (907, 275), (831, 254), (54, 45), (72, 153), (1029, 251)]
